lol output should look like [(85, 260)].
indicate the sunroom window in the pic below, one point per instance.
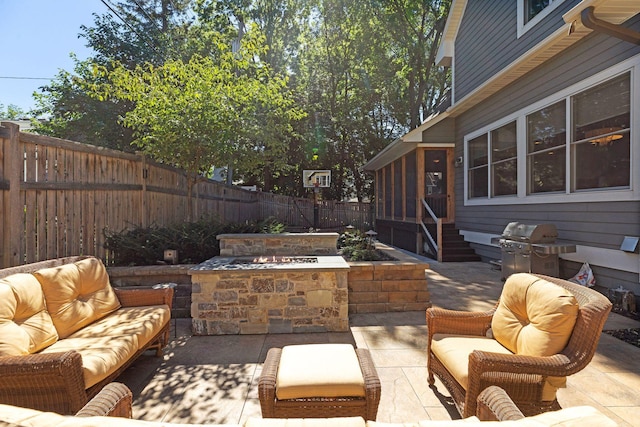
[(478, 167), (546, 152), (600, 147), (504, 160)]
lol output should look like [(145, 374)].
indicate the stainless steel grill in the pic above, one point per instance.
[(531, 248)]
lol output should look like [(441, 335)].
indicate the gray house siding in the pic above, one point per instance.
[(483, 48), (601, 225)]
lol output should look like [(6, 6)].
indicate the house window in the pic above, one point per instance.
[(533, 8), (530, 12), (504, 160), (600, 145), (546, 149), (568, 147), (493, 163), (478, 167)]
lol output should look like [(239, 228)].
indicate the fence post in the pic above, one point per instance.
[(13, 209)]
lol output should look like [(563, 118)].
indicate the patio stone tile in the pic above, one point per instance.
[(614, 355), (251, 409), (398, 402), (195, 394), (395, 337), (572, 396), (603, 388), (618, 321), (227, 349), (628, 414), (398, 358), (388, 318), (417, 377)]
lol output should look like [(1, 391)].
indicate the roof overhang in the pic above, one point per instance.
[(444, 56), (614, 11), (439, 130), (435, 132)]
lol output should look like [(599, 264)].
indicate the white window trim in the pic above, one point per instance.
[(522, 27), (632, 193)]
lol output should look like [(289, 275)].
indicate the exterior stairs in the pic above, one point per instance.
[(454, 247)]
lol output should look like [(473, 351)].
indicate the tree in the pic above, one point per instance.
[(414, 30), (150, 32), (192, 115), (13, 112), (75, 115)]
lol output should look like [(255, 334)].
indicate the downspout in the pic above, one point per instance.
[(590, 21)]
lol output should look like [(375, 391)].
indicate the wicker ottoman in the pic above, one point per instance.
[(319, 381)]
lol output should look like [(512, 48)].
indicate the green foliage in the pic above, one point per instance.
[(12, 112), (194, 241), (361, 73), (74, 115), (355, 246), (229, 110)]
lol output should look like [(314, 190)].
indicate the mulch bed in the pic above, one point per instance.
[(630, 335)]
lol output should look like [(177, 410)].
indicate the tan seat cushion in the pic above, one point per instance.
[(101, 355), (454, 350), (578, 416), (23, 417), (142, 322), (77, 294), (319, 370), (306, 422), (534, 317), (25, 324)]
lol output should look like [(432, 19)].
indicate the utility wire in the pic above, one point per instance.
[(145, 39), (25, 78)]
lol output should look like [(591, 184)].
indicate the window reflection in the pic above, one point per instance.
[(504, 152), (546, 142), (601, 142)]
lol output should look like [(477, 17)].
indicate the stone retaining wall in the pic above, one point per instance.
[(278, 244), (373, 287), (382, 286)]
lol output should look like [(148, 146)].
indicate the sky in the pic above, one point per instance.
[(36, 38)]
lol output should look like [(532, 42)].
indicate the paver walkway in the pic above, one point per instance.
[(213, 379)]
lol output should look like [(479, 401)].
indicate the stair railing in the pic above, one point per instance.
[(431, 242)]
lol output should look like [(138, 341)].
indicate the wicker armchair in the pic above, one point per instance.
[(523, 377)]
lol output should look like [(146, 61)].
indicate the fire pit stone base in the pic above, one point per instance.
[(270, 301)]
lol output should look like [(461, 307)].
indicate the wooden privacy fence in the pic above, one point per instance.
[(58, 197)]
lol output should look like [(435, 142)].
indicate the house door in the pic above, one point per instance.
[(435, 181)]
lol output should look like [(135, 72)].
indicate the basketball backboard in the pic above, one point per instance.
[(316, 178)]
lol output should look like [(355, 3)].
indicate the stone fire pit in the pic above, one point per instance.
[(260, 294)]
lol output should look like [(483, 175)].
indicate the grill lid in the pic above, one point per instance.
[(531, 233)]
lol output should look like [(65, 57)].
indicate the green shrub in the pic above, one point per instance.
[(355, 246), (194, 241)]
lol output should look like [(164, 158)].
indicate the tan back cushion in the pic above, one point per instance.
[(25, 325), (77, 294), (534, 317)]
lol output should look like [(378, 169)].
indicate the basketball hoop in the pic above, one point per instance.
[(316, 186)]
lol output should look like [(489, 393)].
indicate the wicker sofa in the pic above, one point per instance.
[(114, 401), (65, 332)]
